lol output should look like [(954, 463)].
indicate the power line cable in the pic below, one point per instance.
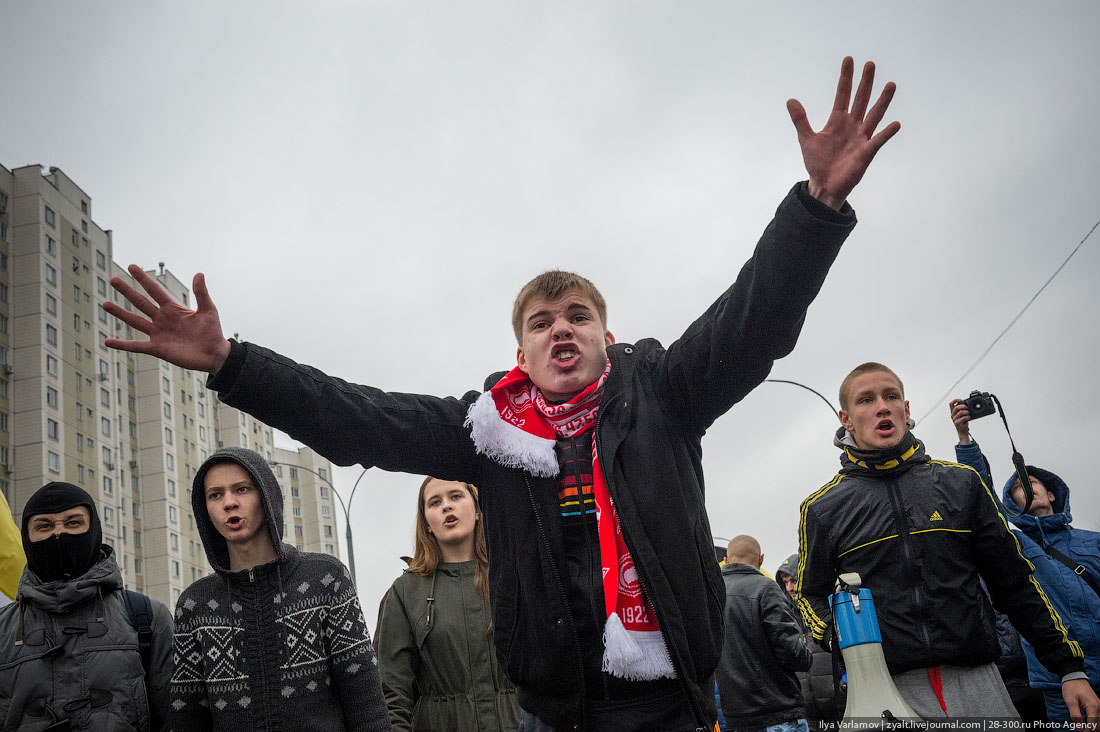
[(1007, 327)]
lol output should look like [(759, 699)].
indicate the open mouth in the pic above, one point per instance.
[(564, 355), (234, 522), (450, 521), (885, 426)]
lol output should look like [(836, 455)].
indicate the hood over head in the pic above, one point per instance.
[(61, 556), (271, 497), (1061, 516), (789, 566)]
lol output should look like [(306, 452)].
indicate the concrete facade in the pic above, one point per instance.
[(128, 428)]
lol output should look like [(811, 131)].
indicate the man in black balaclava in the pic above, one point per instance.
[(62, 537), (69, 644)]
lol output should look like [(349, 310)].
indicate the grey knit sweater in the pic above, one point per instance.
[(282, 646)]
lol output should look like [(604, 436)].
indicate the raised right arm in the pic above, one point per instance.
[(344, 422)]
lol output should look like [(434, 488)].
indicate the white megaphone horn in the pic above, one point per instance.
[(872, 696)]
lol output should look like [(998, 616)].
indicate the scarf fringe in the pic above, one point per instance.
[(509, 445), (635, 655)]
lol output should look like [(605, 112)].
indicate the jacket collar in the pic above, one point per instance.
[(62, 596)]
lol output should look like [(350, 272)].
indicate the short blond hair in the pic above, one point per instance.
[(864, 368), (551, 285)]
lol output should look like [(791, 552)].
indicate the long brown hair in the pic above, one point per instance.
[(426, 556)]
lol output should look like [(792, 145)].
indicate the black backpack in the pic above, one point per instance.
[(140, 611)]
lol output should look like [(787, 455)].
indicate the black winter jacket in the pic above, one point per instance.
[(656, 405), (762, 650), (920, 534)]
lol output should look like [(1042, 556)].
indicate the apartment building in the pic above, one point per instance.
[(128, 428)]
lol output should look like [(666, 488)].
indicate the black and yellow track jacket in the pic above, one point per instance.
[(920, 532)]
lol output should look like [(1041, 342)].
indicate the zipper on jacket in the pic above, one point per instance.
[(561, 590), (643, 583), (905, 538)]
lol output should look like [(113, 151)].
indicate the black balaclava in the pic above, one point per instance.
[(61, 556)]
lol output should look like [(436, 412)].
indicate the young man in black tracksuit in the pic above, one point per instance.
[(588, 450), (921, 532)]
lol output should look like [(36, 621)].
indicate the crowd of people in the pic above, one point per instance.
[(574, 588)]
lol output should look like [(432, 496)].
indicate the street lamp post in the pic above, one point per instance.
[(346, 508)]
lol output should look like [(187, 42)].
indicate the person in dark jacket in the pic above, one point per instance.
[(762, 647), (921, 533), (274, 639), (71, 656), (436, 658), (822, 686), (606, 600), (1065, 560)]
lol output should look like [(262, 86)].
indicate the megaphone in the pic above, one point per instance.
[(871, 692)]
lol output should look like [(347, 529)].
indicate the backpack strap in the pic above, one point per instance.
[(1076, 567), (140, 612)]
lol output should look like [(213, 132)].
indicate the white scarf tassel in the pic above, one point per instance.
[(635, 655), (509, 445)]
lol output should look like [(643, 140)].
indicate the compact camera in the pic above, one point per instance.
[(979, 404)]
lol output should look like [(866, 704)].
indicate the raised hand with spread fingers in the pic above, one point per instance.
[(191, 339), (837, 157)]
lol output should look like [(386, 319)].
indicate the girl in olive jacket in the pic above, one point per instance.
[(436, 657)]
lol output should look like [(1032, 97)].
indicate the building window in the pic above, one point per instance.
[(100, 259), (51, 428), (4, 236), (51, 217), (4, 421), (170, 461), (79, 442), (330, 549), (172, 488), (168, 410), (51, 304), (297, 512), (51, 365), (324, 491), (294, 491), (137, 566), (294, 473), (328, 531), (326, 511), (3, 292), (101, 286), (53, 462), (174, 541), (51, 245), (108, 485), (168, 439), (51, 335), (108, 515), (76, 239), (3, 323), (105, 426), (173, 514), (297, 532), (51, 396), (175, 568), (51, 275), (3, 388), (104, 397)]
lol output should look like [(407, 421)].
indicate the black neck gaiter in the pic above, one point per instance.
[(885, 459)]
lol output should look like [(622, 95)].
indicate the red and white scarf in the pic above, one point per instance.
[(513, 424)]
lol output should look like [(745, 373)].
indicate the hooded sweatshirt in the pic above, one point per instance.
[(1075, 601), (280, 646)]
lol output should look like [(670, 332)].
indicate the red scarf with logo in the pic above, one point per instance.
[(513, 424)]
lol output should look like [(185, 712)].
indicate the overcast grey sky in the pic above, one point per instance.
[(368, 184)]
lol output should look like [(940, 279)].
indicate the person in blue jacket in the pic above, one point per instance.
[(1044, 533)]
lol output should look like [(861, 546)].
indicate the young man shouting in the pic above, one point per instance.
[(587, 451), (920, 533)]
